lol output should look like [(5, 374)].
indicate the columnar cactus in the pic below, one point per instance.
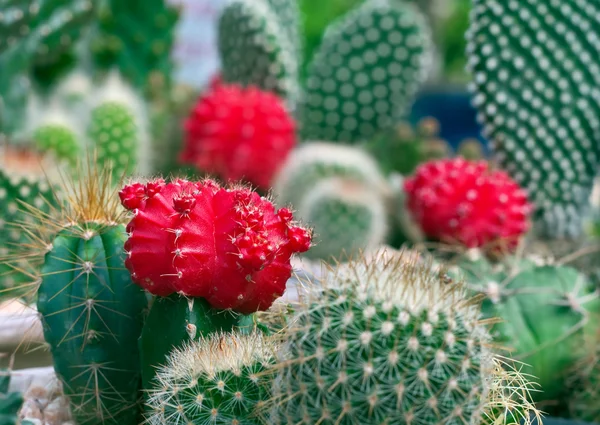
[(546, 310), (259, 45), (338, 190), (536, 70), (91, 311), (220, 380), (366, 72), (239, 133), (389, 340), (466, 203)]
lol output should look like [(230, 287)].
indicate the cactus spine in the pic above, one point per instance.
[(220, 380), (536, 72)]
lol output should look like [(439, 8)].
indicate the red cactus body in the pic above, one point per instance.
[(228, 246), (466, 202), (239, 133)]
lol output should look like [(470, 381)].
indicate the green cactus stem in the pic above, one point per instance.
[(59, 140)]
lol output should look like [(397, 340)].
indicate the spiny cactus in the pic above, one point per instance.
[(258, 46), (227, 245), (220, 380), (60, 140), (384, 341), (22, 179), (91, 311), (366, 72), (584, 383), (546, 310), (536, 70), (239, 133), (466, 203), (137, 38)]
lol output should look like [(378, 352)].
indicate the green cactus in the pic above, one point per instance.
[(219, 380), (365, 74), (385, 341), (91, 311), (10, 402), (402, 149), (546, 309), (471, 149), (584, 384), (189, 319), (22, 180), (59, 140), (347, 217), (137, 38), (288, 14), (536, 73), (255, 47)]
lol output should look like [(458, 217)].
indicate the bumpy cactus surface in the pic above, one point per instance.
[(239, 133), (546, 311), (59, 140), (366, 72), (220, 380), (91, 310), (258, 45), (466, 203), (227, 245), (340, 192), (384, 341), (536, 71)]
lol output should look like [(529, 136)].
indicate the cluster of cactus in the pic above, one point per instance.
[(341, 192)]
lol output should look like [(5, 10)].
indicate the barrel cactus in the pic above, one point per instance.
[(390, 340), (547, 311), (220, 380), (536, 73)]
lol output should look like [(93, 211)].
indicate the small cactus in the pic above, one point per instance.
[(227, 245), (536, 71), (466, 203), (584, 383), (10, 402), (384, 341), (365, 74), (59, 140), (220, 380), (258, 46), (239, 133)]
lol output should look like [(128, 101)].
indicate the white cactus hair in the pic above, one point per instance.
[(116, 89)]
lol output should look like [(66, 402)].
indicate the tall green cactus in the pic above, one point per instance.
[(536, 70), (258, 45), (546, 311), (90, 309), (220, 380), (366, 72), (384, 341)]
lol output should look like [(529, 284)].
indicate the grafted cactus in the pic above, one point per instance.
[(536, 70)]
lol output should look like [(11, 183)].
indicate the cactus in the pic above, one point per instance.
[(91, 311), (256, 46), (466, 203), (60, 140), (561, 305), (384, 341), (22, 180), (10, 402), (137, 38), (239, 133), (536, 92), (346, 215), (402, 149), (584, 383), (220, 380), (366, 72)]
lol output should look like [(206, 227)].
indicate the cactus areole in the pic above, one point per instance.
[(198, 239)]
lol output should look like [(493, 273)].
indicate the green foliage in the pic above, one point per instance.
[(536, 73), (366, 72), (92, 315), (219, 380), (546, 311), (387, 341)]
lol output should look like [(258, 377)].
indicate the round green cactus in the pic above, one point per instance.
[(365, 74), (220, 380), (59, 140), (546, 310), (384, 341), (255, 47), (536, 74)]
